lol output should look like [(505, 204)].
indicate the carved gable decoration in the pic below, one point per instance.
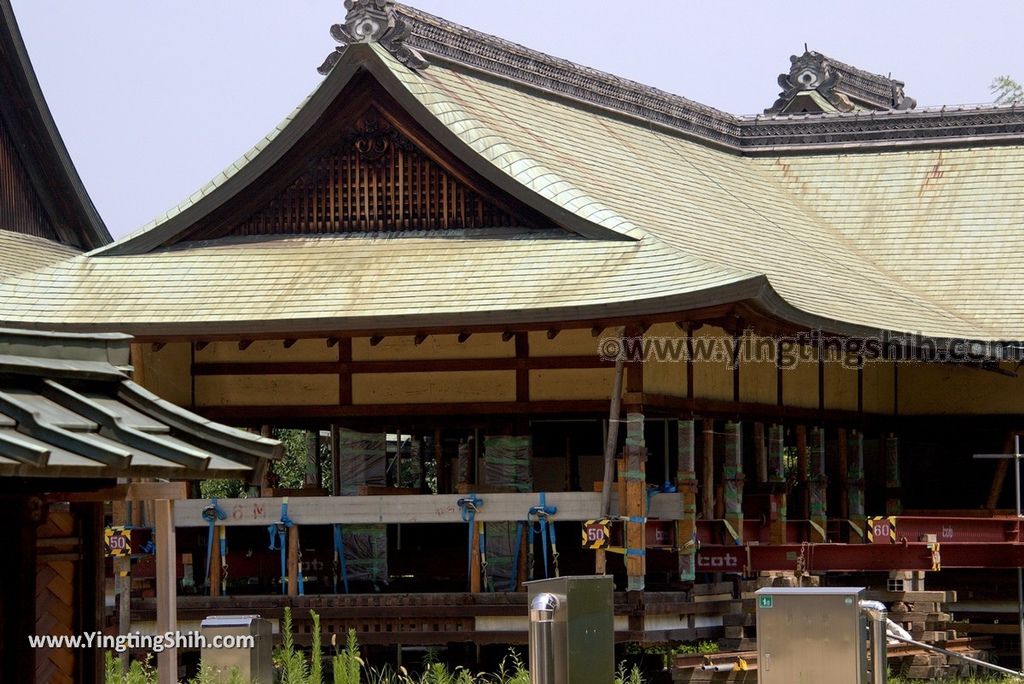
[(372, 179), (20, 207)]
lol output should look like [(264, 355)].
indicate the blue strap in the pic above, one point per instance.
[(279, 533), (542, 511), (554, 545), (529, 548), (211, 514)]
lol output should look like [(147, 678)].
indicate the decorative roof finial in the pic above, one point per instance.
[(370, 21)]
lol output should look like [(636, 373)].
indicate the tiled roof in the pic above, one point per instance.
[(68, 409), (20, 253)]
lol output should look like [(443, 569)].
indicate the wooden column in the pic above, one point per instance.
[(707, 508), (122, 581), (843, 457), (635, 503), (893, 483), (215, 578), (732, 480), (817, 487), (778, 514), (166, 588), (475, 581), (686, 484), (855, 484), (292, 561)]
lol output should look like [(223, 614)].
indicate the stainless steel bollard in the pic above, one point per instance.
[(542, 638), (879, 645)]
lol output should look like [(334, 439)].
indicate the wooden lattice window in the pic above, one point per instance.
[(374, 178)]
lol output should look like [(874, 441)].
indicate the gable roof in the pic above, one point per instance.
[(27, 120), (670, 206), (68, 409)]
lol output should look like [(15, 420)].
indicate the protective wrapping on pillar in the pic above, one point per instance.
[(686, 483), (462, 464), (855, 478), (507, 462), (893, 504), (733, 480), (778, 514), (501, 549), (776, 454), (364, 462), (817, 484)]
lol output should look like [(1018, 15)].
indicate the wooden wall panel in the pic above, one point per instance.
[(947, 389), (167, 372), (840, 386), (267, 351), (879, 378), (266, 390), (666, 375), (575, 342), (433, 388), (712, 379), (800, 383), (759, 382), (570, 384), (478, 346)]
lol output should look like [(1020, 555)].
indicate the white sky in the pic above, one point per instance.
[(154, 97)]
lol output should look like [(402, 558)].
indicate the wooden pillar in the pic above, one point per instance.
[(707, 508), (215, 578), (893, 484), (636, 502), (843, 457), (778, 513), (732, 480), (475, 583), (122, 581), (817, 487), (292, 561), (855, 483), (686, 484), (166, 588)]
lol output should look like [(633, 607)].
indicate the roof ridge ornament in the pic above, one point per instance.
[(373, 21)]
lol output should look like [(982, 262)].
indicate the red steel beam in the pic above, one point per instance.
[(814, 558)]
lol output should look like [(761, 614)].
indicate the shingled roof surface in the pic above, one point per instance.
[(897, 221), (68, 409)]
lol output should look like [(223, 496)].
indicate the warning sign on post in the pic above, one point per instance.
[(596, 534), (117, 541), (882, 530)]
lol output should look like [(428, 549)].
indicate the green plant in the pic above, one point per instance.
[(1007, 90), (294, 668), (346, 664), (512, 669), (632, 676)]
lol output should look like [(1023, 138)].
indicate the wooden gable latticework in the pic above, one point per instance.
[(20, 207), (375, 178)]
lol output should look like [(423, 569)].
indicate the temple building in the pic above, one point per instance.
[(433, 266)]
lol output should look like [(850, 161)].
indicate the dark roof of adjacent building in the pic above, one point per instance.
[(69, 409), (25, 121)]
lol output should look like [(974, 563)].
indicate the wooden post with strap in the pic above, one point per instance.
[(635, 508)]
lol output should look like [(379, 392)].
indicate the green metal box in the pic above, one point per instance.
[(584, 644)]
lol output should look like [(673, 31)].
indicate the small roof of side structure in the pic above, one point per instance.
[(28, 132), (68, 409), (849, 223)]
